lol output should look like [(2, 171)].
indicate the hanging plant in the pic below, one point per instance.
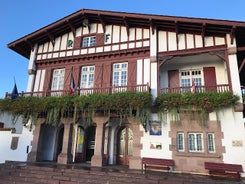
[(53, 108), (204, 102)]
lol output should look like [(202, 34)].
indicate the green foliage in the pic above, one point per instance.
[(202, 102), (56, 107), (124, 104), (209, 101)]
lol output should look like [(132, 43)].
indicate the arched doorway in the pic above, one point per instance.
[(124, 145)]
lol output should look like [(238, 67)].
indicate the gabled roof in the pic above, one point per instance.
[(69, 23)]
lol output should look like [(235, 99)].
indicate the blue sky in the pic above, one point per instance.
[(21, 17)]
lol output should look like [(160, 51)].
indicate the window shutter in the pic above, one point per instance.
[(107, 75), (132, 72), (67, 77), (199, 142), (98, 75), (77, 42), (99, 39), (210, 78), (76, 75), (173, 78), (47, 83)]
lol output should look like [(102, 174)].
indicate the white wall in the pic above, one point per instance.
[(163, 139), (25, 137), (232, 126)]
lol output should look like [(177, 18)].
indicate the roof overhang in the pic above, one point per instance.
[(24, 45)]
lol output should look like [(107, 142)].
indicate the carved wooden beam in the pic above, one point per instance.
[(163, 59), (86, 22), (152, 26), (126, 24), (102, 22), (177, 31), (51, 37), (240, 48), (218, 53), (30, 44), (242, 65), (73, 29), (203, 34), (232, 34)]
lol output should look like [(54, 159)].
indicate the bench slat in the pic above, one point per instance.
[(157, 163), (223, 167)]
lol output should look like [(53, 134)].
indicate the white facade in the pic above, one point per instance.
[(22, 135)]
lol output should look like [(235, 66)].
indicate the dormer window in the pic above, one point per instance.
[(89, 41)]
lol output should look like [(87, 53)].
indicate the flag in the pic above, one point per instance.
[(14, 93), (193, 87), (72, 86)]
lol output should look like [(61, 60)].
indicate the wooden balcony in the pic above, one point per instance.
[(197, 89), (86, 91)]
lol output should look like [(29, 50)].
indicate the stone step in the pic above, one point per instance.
[(56, 174)]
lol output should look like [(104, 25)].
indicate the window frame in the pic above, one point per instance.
[(195, 145), (180, 142), (211, 145), (120, 74), (58, 79), (89, 73), (88, 41), (187, 76)]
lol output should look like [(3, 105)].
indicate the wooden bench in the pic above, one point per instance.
[(222, 169), (157, 164)]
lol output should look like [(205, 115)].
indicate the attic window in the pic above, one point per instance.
[(89, 41)]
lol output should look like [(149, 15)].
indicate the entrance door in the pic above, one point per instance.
[(90, 143), (125, 146), (79, 155)]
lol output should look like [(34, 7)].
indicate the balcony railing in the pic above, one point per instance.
[(86, 91), (197, 89)]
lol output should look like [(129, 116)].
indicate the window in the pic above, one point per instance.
[(87, 77), (187, 77), (120, 74), (89, 41), (180, 141), (195, 142), (87, 80), (210, 140), (58, 81)]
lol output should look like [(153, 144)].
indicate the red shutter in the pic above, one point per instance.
[(47, 83), (67, 78), (210, 78), (99, 39), (98, 75), (107, 75), (76, 75), (132, 72), (77, 42), (173, 78)]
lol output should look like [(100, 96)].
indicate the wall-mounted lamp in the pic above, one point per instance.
[(85, 22)]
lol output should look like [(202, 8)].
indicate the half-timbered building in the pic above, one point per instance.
[(106, 51)]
